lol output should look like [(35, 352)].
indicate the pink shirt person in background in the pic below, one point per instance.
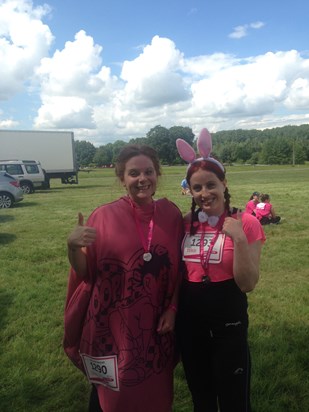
[(265, 212), (253, 201)]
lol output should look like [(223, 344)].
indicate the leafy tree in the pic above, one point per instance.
[(224, 153), (85, 152), (277, 150), (299, 152), (158, 138), (164, 141), (175, 133), (281, 145), (139, 141), (254, 159), (117, 146), (104, 155), (268, 154)]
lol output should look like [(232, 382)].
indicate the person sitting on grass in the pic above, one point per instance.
[(253, 201), (265, 212), (184, 187)]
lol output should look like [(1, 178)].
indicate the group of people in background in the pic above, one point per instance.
[(143, 276), (259, 206)]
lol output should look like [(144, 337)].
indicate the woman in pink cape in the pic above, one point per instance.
[(124, 281)]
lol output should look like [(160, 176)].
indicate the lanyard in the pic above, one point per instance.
[(205, 256), (147, 256)]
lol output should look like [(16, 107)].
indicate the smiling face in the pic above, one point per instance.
[(140, 179), (208, 192)]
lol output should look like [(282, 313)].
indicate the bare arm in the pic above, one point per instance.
[(246, 256), (246, 264), (80, 237)]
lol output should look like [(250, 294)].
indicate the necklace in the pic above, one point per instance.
[(147, 256)]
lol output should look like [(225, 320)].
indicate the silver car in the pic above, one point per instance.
[(10, 190), (29, 173)]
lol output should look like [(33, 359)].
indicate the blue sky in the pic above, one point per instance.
[(112, 70)]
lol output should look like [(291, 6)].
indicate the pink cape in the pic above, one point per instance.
[(116, 311)]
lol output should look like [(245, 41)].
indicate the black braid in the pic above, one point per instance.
[(227, 198), (193, 217)]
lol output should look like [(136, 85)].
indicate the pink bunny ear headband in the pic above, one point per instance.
[(204, 146)]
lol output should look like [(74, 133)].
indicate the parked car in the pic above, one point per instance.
[(10, 190), (29, 173)]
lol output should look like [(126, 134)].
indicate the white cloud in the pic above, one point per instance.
[(160, 86), (257, 25), (207, 66), (24, 40), (298, 97), (242, 31), (64, 112), (254, 88), (154, 77), (73, 81), (239, 32), (8, 124), (247, 87)]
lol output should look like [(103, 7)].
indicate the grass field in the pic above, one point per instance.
[(35, 375)]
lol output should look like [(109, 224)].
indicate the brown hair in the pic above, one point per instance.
[(209, 166), (264, 197), (130, 151)]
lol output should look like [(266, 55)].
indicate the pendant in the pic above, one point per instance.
[(206, 279), (147, 256)]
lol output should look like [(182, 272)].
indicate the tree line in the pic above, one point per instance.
[(280, 145)]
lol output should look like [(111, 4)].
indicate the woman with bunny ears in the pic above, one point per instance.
[(221, 250)]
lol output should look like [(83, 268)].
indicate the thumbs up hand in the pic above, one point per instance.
[(81, 236), (233, 227), (80, 219)]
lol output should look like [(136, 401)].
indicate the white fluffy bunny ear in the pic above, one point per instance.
[(186, 152), (204, 143)]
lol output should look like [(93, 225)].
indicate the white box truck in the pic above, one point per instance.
[(53, 149)]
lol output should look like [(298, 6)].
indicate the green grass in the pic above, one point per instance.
[(35, 374)]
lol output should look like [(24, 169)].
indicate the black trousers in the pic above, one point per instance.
[(212, 334), (94, 404), (267, 221)]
